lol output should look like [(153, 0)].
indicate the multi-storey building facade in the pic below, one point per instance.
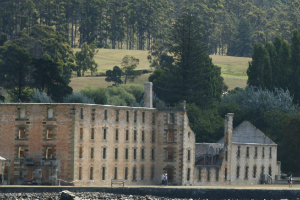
[(244, 156), (92, 144)]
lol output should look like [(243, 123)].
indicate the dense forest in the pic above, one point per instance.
[(232, 26)]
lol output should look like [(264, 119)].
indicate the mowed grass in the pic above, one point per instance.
[(233, 68)]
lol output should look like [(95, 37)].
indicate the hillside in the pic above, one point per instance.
[(233, 68)]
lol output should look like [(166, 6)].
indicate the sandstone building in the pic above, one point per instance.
[(91, 144)]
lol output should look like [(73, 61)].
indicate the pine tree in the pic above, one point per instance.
[(192, 78), (295, 65)]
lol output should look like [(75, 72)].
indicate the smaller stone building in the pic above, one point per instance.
[(244, 156)]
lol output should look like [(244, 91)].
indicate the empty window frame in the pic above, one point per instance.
[(104, 133), (263, 152), (254, 171), (116, 173), (93, 115), (152, 173), (239, 151), (21, 152), (208, 174), (92, 133), (127, 116), (143, 154), (143, 117), (126, 154), (117, 115), (50, 113), (170, 155), (153, 136), (246, 171), (81, 113), (199, 174), (135, 135), (189, 155), (22, 113), (153, 118), (143, 136), (49, 153), (134, 154), (91, 173), (188, 174), (117, 135), (105, 114), (135, 116), (270, 170), (255, 152), (80, 173), (103, 172), (217, 174), (226, 155), (81, 133), (92, 153), (104, 153), (152, 154), (247, 152), (126, 173), (127, 135), (142, 172), (134, 173), (171, 118), (226, 174), (270, 152), (170, 136), (262, 169), (22, 131), (237, 171), (80, 152), (50, 134), (116, 153)]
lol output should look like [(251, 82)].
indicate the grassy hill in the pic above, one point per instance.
[(233, 68)]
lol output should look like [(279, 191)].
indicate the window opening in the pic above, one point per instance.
[(143, 154), (247, 152), (104, 134), (153, 136), (225, 174), (255, 152), (80, 152), (237, 171), (239, 151), (117, 115), (188, 174), (80, 173), (103, 173), (126, 154), (50, 133), (104, 153), (254, 171), (116, 173), (170, 154), (49, 153), (153, 118), (134, 174), (208, 174), (263, 152), (270, 170), (135, 135), (143, 136), (270, 152), (134, 154), (91, 173), (142, 172), (92, 152), (116, 153), (143, 117), (152, 154), (127, 116), (117, 134), (105, 114), (189, 155), (81, 113), (126, 173), (81, 134), (135, 116), (171, 118), (152, 173), (22, 133), (50, 113), (246, 172), (199, 174), (127, 135), (92, 133), (170, 136), (21, 152)]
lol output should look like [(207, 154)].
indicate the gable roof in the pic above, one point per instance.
[(247, 133)]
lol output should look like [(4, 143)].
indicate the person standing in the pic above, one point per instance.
[(163, 179), (166, 179), (290, 181)]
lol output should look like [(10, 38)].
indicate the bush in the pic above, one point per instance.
[(78, 97), (98, 94), (40, 97)]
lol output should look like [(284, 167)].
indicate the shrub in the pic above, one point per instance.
[(40, 97), (77, 97)]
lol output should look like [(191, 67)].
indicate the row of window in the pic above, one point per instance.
[(117, 113), (255, 152), (48, 152), (170, 153), (116, 153), (125, 175), (22, 133), (254, 171), (22, 113), (117, 134)]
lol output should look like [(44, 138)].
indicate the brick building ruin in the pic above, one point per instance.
[(90, 144)]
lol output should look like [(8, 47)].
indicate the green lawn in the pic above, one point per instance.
[(233, 68)]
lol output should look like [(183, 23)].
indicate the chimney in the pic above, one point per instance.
[(148, 95), (228, 128)]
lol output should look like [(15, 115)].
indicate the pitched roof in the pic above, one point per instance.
[(247, 133), (207, 148), (1, 158)]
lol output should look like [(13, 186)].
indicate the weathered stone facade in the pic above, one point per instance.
[(92, 144), (244, 156)]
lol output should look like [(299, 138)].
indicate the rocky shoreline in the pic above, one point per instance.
[(77, 196)]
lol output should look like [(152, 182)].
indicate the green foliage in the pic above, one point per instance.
[(40, 97), (207, 124), (122, 95), (288, 150), (193, 77), (129, 63), (78, 97), (114, 76), (85, 59)]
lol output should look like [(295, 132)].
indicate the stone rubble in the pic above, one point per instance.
[(79, 195)]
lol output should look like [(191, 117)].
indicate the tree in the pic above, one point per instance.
[(129, 63), (193, 77), (114, 76), (15, 69), (48, 79), (295, 65), (85, 59), (241, 44)]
